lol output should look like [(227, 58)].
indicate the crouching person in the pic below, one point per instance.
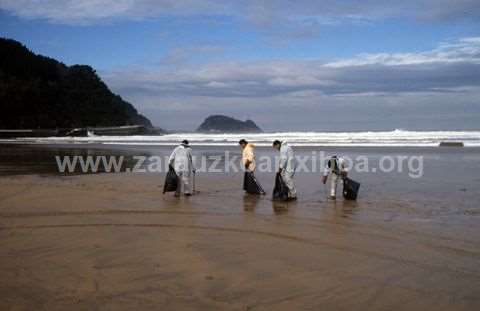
[(336, 168), (182, 162), (287, 166)]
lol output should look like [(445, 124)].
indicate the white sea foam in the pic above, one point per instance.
[(396, 138)]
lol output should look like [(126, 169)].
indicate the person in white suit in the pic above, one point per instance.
[(182, 162), (336, 168), (287, 166)]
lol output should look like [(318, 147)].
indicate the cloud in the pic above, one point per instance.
[(448, 68), (461, 51), (94, 11), (378, 85), (301, 16), (183, 55)]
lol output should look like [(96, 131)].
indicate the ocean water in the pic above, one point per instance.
[(396, 138)]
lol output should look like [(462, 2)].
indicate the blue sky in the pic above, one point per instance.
[(371, 64)]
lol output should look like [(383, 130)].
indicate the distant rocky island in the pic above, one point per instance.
[(224, 124), (39, 93)]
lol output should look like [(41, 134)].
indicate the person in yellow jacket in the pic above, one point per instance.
[(250, 183), (248, 156)]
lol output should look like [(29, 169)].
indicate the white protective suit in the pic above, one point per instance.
[(335, 174), (287, 165), (182, 162)]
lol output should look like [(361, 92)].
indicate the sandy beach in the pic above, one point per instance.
[(114, 242)]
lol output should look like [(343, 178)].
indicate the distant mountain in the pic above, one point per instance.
[(224, 124), (38, 92)]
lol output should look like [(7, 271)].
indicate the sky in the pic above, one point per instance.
[(301, 65)]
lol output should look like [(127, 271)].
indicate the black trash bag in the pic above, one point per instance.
[(251, 185), (350, 189), (280, 191), (171, 181)]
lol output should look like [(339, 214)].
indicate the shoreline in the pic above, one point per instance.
[(113, 241), (395, 138)]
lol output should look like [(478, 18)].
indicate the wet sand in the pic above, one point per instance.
[(114, 242)]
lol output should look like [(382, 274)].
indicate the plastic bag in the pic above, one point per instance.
[(350, 189), (171, 181), (251, 185), (280, 191)]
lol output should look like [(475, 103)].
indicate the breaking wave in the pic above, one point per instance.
[(394, 138)]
